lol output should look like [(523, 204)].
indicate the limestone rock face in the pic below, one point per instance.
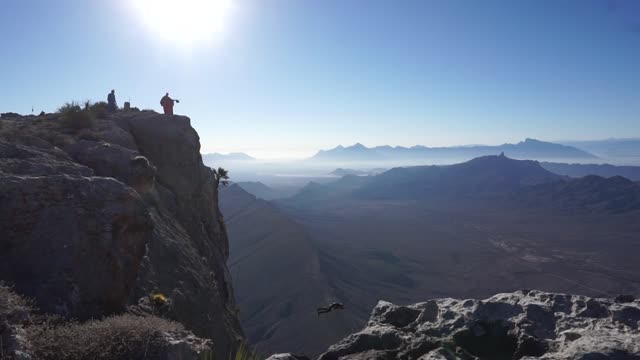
[(92, 220), (73, 243), (185, 346), (523, 325)]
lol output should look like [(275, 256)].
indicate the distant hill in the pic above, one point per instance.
[(592, 194), (619, 149), (217, 157), (478, 177), (327, 193), (605, 170), (528, 149), (260, 190), (493, 181), (344, 172)]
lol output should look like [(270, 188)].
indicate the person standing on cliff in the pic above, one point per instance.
[(167, 104), (112, 106)]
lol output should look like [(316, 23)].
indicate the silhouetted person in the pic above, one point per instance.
[(167, 104), (112, 106), (324, 310)]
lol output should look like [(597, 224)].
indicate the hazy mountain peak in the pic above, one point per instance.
[(527, 149), (234, 156)]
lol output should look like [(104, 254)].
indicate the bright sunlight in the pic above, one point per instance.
[(184, 23)]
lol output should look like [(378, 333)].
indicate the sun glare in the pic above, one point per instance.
[(185, 23)]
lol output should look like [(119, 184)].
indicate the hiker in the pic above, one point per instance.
[(324, 310), (167, 104), (112, 106)]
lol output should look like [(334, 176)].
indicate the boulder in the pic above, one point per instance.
[(287, 356), (183, 345)]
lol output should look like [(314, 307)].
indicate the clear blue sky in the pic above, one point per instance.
[(288, 77)]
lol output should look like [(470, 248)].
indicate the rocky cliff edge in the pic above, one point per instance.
[(95, 219), (522, 325)]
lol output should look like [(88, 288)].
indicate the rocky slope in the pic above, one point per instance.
[(522, 325), (94, 219)]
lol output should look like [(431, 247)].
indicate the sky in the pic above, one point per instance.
[(285, 78)]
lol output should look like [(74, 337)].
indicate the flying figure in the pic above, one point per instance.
[(336, 306)]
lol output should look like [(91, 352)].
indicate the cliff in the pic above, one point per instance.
[(95, 218), (522, 325)]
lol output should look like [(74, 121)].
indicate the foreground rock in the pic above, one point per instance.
[(287, 356), (95, 218), (522, 325)]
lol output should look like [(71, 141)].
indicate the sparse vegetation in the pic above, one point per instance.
[(99, 110), (73, 116), (116, 337)]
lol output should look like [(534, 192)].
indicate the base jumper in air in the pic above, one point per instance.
[(324, 310)]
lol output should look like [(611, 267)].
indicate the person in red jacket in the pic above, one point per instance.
[(167, 104)]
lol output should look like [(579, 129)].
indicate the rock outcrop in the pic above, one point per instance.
[(287, 356), (94, 219), (522, 325)]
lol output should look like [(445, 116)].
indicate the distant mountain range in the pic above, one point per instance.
[(260, 190), (494, 181), (528, 149), (217, 157), (610, 148), (604, 170)]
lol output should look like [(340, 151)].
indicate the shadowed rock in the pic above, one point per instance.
[(94, 220)]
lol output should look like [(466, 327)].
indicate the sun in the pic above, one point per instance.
[(184, 22)]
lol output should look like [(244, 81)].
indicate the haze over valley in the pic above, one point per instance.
[(320, 180), (488, 225)]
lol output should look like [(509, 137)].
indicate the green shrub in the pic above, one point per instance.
[(75, 117), (117, 337), (246, 353)]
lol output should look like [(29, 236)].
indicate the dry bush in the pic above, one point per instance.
[(11, 302), (117, 337), (100, 109), (14, 311), (73, 116)]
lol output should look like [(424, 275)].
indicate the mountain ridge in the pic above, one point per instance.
[(211, 158), (527, 149)]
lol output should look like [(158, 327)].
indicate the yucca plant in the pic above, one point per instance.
[(221, 176)]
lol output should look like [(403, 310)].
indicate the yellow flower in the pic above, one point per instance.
[(159, 299)]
